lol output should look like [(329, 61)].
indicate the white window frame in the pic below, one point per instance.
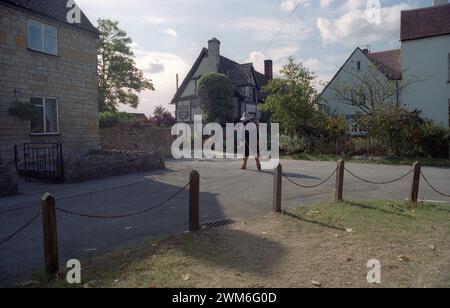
[(43, 26), (448, 60), (45, 133)]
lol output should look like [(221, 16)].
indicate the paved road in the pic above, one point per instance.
[(226, 192)]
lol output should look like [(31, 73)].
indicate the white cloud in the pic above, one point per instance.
[(325, 3), (289, 5), (265, 29), (279, 56), (352, 27), (155, 20), (170, 32), (161, 68)]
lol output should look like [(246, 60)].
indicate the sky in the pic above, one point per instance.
[(168, 35)]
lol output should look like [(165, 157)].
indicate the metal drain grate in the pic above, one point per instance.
[(219, 224)]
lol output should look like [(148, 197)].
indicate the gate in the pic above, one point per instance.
[(41, 161)]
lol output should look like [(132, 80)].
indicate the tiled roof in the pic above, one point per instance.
[(425, 22), (389, 62), (240, 74), (55, 9)]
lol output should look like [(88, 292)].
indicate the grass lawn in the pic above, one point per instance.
[(428, 162), (327, 243)]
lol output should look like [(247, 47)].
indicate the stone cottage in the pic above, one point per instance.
[(247, 81), (51, 64)]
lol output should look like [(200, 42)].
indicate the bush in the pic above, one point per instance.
[(109, 119), (216, 92), (433, 141), (290, 145)]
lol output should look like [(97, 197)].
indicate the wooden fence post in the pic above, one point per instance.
[(194, 201), (416, 182), (340, 181), (277, 188), (51, 257)]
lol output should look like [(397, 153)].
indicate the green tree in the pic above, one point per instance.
[(216, 92), (292, 100), (119, 79)]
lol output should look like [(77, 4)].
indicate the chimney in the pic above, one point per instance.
[(366, 51), (214, 55), (439, 2), (268, 69)]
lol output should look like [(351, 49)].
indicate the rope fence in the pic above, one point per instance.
[(433, 187), (381, 182), (415, 173), (140, 212), (49, 211), (21, 229), (310, 186)]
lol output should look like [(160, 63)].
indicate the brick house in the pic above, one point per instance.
[(247, 81), (52, 64)]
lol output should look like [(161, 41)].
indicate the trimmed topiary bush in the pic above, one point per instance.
[(216, 92)]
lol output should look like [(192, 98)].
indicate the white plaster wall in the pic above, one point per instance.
[(346, 76), (428, 59), (328, 97), (190, 90)]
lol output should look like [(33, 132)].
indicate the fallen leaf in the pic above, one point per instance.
[(348, 260), (403, 258), (349, 230), (186, 277), (316, 283), (433, 248)]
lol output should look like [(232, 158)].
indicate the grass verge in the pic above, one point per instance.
[(327, 243)]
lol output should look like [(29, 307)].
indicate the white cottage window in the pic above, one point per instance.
[(45, 117), (42, 37)]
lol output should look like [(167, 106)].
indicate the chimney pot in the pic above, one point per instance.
[(268, 69)]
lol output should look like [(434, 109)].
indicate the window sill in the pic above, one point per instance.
[(45, 135), (43, 53)]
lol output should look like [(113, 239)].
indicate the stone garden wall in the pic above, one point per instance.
[(137, 137), (102, 163)]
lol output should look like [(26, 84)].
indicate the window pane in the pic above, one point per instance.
[(51, 115), (35, 35), (50, 44), (37, 122), (51, 31)]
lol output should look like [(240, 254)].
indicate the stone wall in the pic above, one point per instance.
[(8, 180), (101, 163), (71, 77), (137, 137)]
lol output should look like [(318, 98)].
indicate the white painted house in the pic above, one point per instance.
[(425, 37), (420, 69), (247, 81)]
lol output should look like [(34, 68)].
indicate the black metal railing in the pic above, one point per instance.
[(40, 161)]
